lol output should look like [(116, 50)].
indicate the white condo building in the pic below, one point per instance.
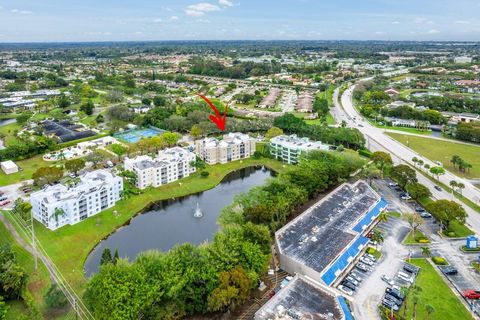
[(59, 205), (170, 165), (289, 148), (233, 146)]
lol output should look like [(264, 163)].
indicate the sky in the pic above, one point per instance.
[(130, 20)]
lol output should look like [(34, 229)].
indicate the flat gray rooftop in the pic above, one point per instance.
[(301, 299), (319, 234)]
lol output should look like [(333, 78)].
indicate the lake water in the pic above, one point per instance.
[(169, 222)]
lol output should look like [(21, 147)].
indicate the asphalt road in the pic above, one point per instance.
[(378, 141)]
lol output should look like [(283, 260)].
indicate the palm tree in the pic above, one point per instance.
[(57, 213), (377, 236), (382, 217), (427, 167), (455, 160), (430, 309), (460, 187), (404, 291), (415, 291), (453, 184), (426, 251), (415, 161)]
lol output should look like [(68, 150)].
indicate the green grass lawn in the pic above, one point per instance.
[(438, 150), (29, 166), (8, 132), (69, 246), (410, 239), (38, 281), (436, 293), (458, 229), (394, 214)]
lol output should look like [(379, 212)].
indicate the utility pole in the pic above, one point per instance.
[(35, 258)]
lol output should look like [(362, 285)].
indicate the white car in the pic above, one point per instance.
[(345, 290), (352, 280), (404, 277), (393, 184), (388, 280), (368, 262)]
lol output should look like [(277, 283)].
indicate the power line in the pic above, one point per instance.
[(78, 307)]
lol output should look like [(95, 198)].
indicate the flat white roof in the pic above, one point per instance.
[(9, 164)]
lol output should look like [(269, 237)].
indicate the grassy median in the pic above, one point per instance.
[(439, 150), (434, 292)]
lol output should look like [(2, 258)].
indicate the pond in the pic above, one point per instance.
[(169, 222)]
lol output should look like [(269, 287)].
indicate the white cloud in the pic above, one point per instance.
[(199, 9), (396, 22), (225, 3), (21, 11), (174, 18), (433, 31), (380, 33), (194, 13), (158, 20), (462, 22)]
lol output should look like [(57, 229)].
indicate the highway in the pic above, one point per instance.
[(376, 140)]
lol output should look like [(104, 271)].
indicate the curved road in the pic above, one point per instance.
[(376, 140)]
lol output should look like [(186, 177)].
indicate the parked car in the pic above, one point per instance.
[(389, 304), (356, 276), (4, 203), (438, 188), (411, 268), (405, 196), (403, 277), (449, 270), (3, 198), (396, 293), (345, 290), (419, 209), (388, 280), (362, 267), (369, 256), (393, 184), (2, 193), (398, 302), (352, 280), (349, 285), (398, 188), (425, 215), (368, 262), (471, 294)]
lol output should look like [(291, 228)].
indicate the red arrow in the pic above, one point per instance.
[(218, 119)]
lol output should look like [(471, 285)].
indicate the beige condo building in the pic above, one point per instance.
[(233, 146)]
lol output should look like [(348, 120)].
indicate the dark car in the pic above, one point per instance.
[(398, 302), (419, 209), (396, 293), (389, 304), (449, 270), (349, 285), (411, 268), (438, 188)]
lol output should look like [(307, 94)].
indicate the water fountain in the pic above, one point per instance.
[(198, 213)]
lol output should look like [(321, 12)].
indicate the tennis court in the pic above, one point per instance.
[(135, 135)]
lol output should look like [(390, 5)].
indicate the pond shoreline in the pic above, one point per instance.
[(164, 204)]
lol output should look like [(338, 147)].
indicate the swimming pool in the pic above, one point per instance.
[(134, 135)]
